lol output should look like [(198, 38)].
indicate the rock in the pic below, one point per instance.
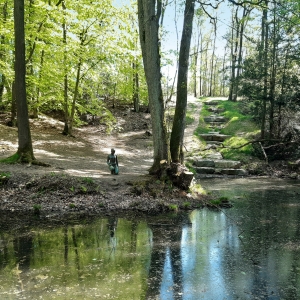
[(204, 163), (293, 176), (227, 164), (205, 170), (237, 172)]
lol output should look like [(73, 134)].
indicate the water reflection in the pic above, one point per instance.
[(248, 252)]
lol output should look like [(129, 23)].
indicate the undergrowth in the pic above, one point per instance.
[(239, 126)]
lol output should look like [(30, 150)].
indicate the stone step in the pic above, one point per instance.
[(216, 171), (216, 163), (237, 172), (214, 137), (215, 119), (215, 109), (212, 102)]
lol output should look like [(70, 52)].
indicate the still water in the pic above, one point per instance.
[(251, 251)]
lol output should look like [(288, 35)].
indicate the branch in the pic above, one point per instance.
[(209, 4), (59, 2), (259, 141), (247, 2)]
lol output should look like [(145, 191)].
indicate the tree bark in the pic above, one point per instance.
[(149, 12), (264, 60), (25, 150), (66, 82), (135, 96), (182, 83)]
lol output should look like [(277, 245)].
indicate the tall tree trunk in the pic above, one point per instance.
[(66, 82), (200, 67), (181, 99), (25, 150), (234, 49), (2, 52), (264, 61), (72, 116), (149, 12), (38, 92), (135, 96), (13, 110), (212, 58), (223, 73), (273, 78)]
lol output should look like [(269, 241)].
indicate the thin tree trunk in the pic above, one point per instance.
[(36, 105), (273, 78), (72, 116), (149, 12), (66, 82), (25, 150), (212, 58), (264, 61), (200, 67), (177, 134), (223, 75), (135, 96)]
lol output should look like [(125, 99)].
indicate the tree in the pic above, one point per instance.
[(25, 150), (176, 141), (149, 13)]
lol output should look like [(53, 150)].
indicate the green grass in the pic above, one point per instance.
[(232, 150), (239, 125), (11, 159), (189, 119)]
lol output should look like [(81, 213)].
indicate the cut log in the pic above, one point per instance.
[(180, 176)]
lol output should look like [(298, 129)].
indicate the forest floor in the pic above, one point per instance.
[(78, 178)]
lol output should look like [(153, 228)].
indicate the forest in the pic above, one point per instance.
[(75, 57)]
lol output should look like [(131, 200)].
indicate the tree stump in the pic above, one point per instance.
[(177, 173)]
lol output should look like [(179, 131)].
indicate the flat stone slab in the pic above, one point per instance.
[(227, 164), (212, 102), (215, 109), (214, 156), (204, 170), (214, 119), (204, 163), (214, 137), (237, 172)]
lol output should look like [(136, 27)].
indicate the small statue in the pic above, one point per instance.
[(112, 162)]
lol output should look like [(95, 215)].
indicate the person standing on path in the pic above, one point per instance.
[(112, 162)]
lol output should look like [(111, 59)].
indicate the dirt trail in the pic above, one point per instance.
[(85, 155)]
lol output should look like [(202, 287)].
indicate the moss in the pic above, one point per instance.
[(11, 159)]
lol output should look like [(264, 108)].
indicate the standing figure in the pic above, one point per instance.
[(112, 161)]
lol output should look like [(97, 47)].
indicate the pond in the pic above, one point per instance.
[(250, 251)]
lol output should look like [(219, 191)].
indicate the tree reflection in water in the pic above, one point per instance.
[(250, 251)]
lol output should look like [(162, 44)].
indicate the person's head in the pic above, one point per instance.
[(112, 151)]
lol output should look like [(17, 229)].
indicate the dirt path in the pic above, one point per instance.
[(90, 189), (85, 155)]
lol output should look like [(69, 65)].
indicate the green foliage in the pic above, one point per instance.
[(186, 205), (173, 207), (219, 201), (84, 189), (189, 119), (37, 209), (72, 205), (102, 42), (4, 177), (88, 180), (190, 167), (233, 151), (197, 189), (12, 159)]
